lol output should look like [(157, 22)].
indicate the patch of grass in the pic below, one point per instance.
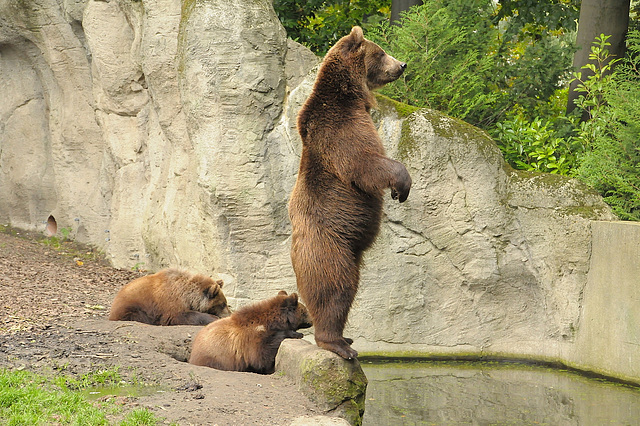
[(56, 242), (29, 398), (94, 378), (26, 398), (138, 267), (65, 246), (140, 416), (9, 230)]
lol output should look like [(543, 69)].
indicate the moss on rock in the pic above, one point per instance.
[(386, 105), (335, 385)]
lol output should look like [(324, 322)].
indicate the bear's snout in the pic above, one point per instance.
[(397, 71), (396, 68), (401, 66)]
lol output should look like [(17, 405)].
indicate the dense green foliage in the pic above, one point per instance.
[(611, 161), (319, 24), (538, 16), (448, 58), (461, 64), (533, 145)]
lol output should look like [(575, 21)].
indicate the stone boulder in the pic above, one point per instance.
[(336, 386)]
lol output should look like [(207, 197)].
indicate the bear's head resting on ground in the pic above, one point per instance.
[(209, 299), (249, 339), (171, 297)]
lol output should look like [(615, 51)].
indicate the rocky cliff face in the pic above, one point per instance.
[(163, 132)]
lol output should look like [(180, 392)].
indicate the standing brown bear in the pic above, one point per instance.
[(336, 204), (250, 338), (170, 297)]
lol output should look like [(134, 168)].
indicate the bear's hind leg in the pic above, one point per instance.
[(335, 343), (327, 274), (328, 295)]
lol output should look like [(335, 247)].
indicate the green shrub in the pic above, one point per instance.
[(461, 64), (448, 58), (594, 89), (532, 145), (319, 24), (611, 163)]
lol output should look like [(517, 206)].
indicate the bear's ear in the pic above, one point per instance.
[(291, 301), (219, 282), (354, 39), (282, 293), (212, 291)]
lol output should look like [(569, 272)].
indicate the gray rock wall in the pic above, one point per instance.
[(163, 132), (608, 336), (52, 146), (480, 257)]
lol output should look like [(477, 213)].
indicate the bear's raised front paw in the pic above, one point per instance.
[(402, 185)]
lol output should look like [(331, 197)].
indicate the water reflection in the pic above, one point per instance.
[(455, 393)]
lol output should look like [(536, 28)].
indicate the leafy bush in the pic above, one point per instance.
[(293, 12), (529, 72), (461, 64), (611, 163), (448, 58), (600, 81), (319, 24), (532, 145)]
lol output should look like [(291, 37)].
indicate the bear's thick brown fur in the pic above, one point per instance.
[(249, 339), (336, 204), (170, 297)]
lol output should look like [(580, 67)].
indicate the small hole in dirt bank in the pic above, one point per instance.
[(179, 351), (52, 226)]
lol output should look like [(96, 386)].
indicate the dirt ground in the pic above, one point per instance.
[(54, 301)]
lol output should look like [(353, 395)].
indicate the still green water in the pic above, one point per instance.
[(486, 393)]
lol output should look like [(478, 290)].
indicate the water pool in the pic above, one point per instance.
[(492, 393)]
